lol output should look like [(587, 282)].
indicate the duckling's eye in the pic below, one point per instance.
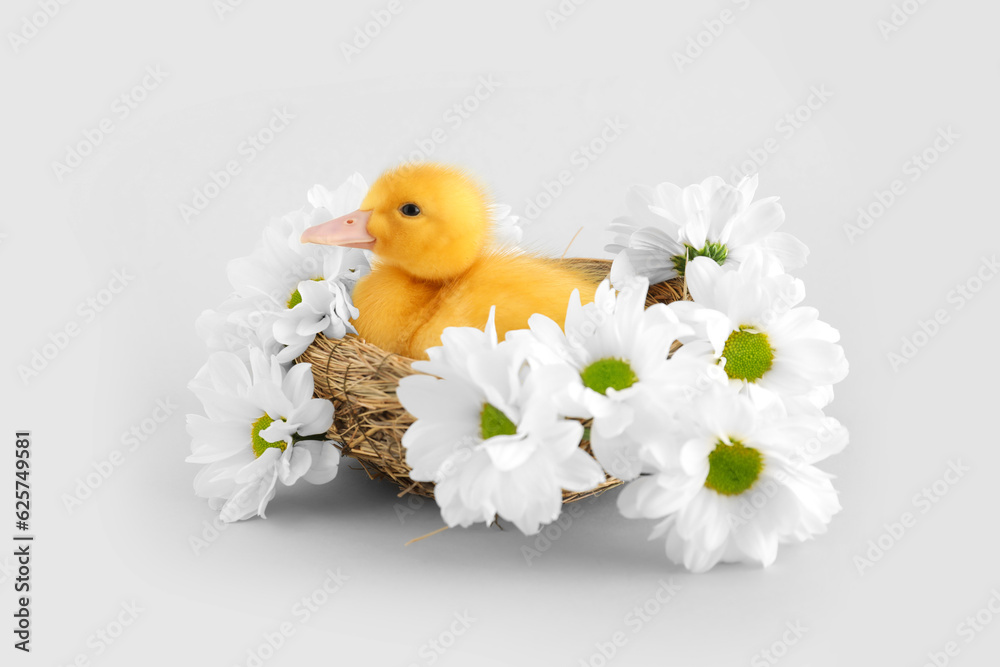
[(410, 210)]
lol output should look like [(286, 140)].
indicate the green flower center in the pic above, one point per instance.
[(748, 355), (296, 298), (260, 445), (493, 422), (608, 373), (733, 468), (716, 251)]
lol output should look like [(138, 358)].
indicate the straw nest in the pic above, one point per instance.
[(369, 421)]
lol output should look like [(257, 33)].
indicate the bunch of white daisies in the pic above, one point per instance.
[(261, 423), (717, 439), (710, 410)]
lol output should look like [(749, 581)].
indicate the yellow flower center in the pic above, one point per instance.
[(493, 422), (609, 373), (748, 354), (296, 297), (260, 445), (733, 468)]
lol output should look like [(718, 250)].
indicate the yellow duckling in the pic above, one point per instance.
[(437, 266)]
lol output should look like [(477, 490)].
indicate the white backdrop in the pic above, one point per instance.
[(832, 104)]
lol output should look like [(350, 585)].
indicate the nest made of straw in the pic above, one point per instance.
[(369, 421)]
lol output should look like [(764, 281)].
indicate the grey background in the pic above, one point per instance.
[(130, 541)]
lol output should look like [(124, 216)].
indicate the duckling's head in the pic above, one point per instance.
[(430, 220)]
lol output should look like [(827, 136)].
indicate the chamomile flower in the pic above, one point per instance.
[(668, 226), (269, 281), (281, 261), (490, 441), (752, 325), (262, 426), (739, 480), (320, 306), (611, 365)]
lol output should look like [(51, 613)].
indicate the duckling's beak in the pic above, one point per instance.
[(350, 231)]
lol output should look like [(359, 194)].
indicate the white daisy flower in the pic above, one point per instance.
[(611, 365), (277, 266), (668, 226), (262, 426), (738, 481), (270, 279), (751, 324), (490, 441), (319, 306)]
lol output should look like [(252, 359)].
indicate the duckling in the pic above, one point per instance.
[(436, 265)]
